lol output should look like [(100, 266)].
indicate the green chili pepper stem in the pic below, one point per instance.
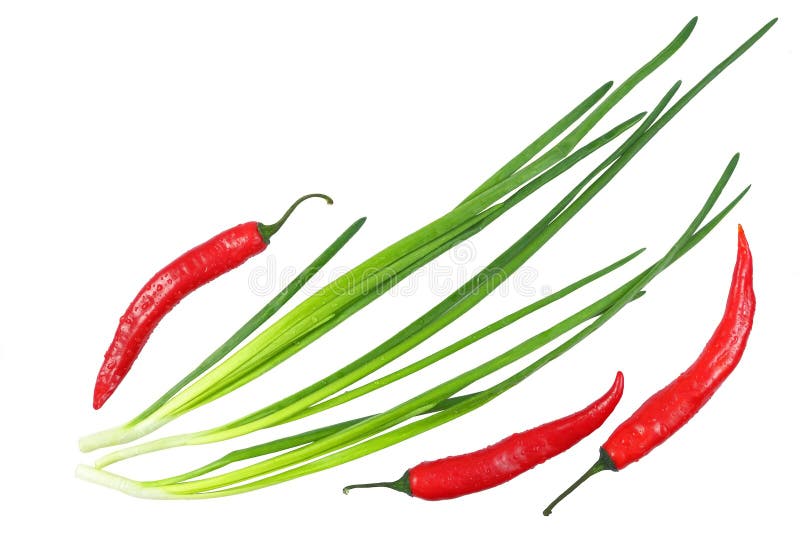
[(604, 463), (268, 230), (402, 484)]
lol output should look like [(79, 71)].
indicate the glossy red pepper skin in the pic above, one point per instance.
[(460, 475), (670, 408), (673, 406), (455, 476), (164, 291), (170, 285)]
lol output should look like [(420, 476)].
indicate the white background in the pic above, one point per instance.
[(131, 132)]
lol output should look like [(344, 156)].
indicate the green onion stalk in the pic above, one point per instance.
[(343, 297)]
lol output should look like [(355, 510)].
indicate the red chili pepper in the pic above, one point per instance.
[(455, 476), (171, 284), (670, 408)]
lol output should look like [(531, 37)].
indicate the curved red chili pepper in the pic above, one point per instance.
[(670, 408), (460, 475), (171, 284)]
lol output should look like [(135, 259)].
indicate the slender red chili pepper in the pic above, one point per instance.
[(670, 408), (171, 284), (460, 475)]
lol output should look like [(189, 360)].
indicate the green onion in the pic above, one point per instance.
[(340, 299), (461, 343)]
